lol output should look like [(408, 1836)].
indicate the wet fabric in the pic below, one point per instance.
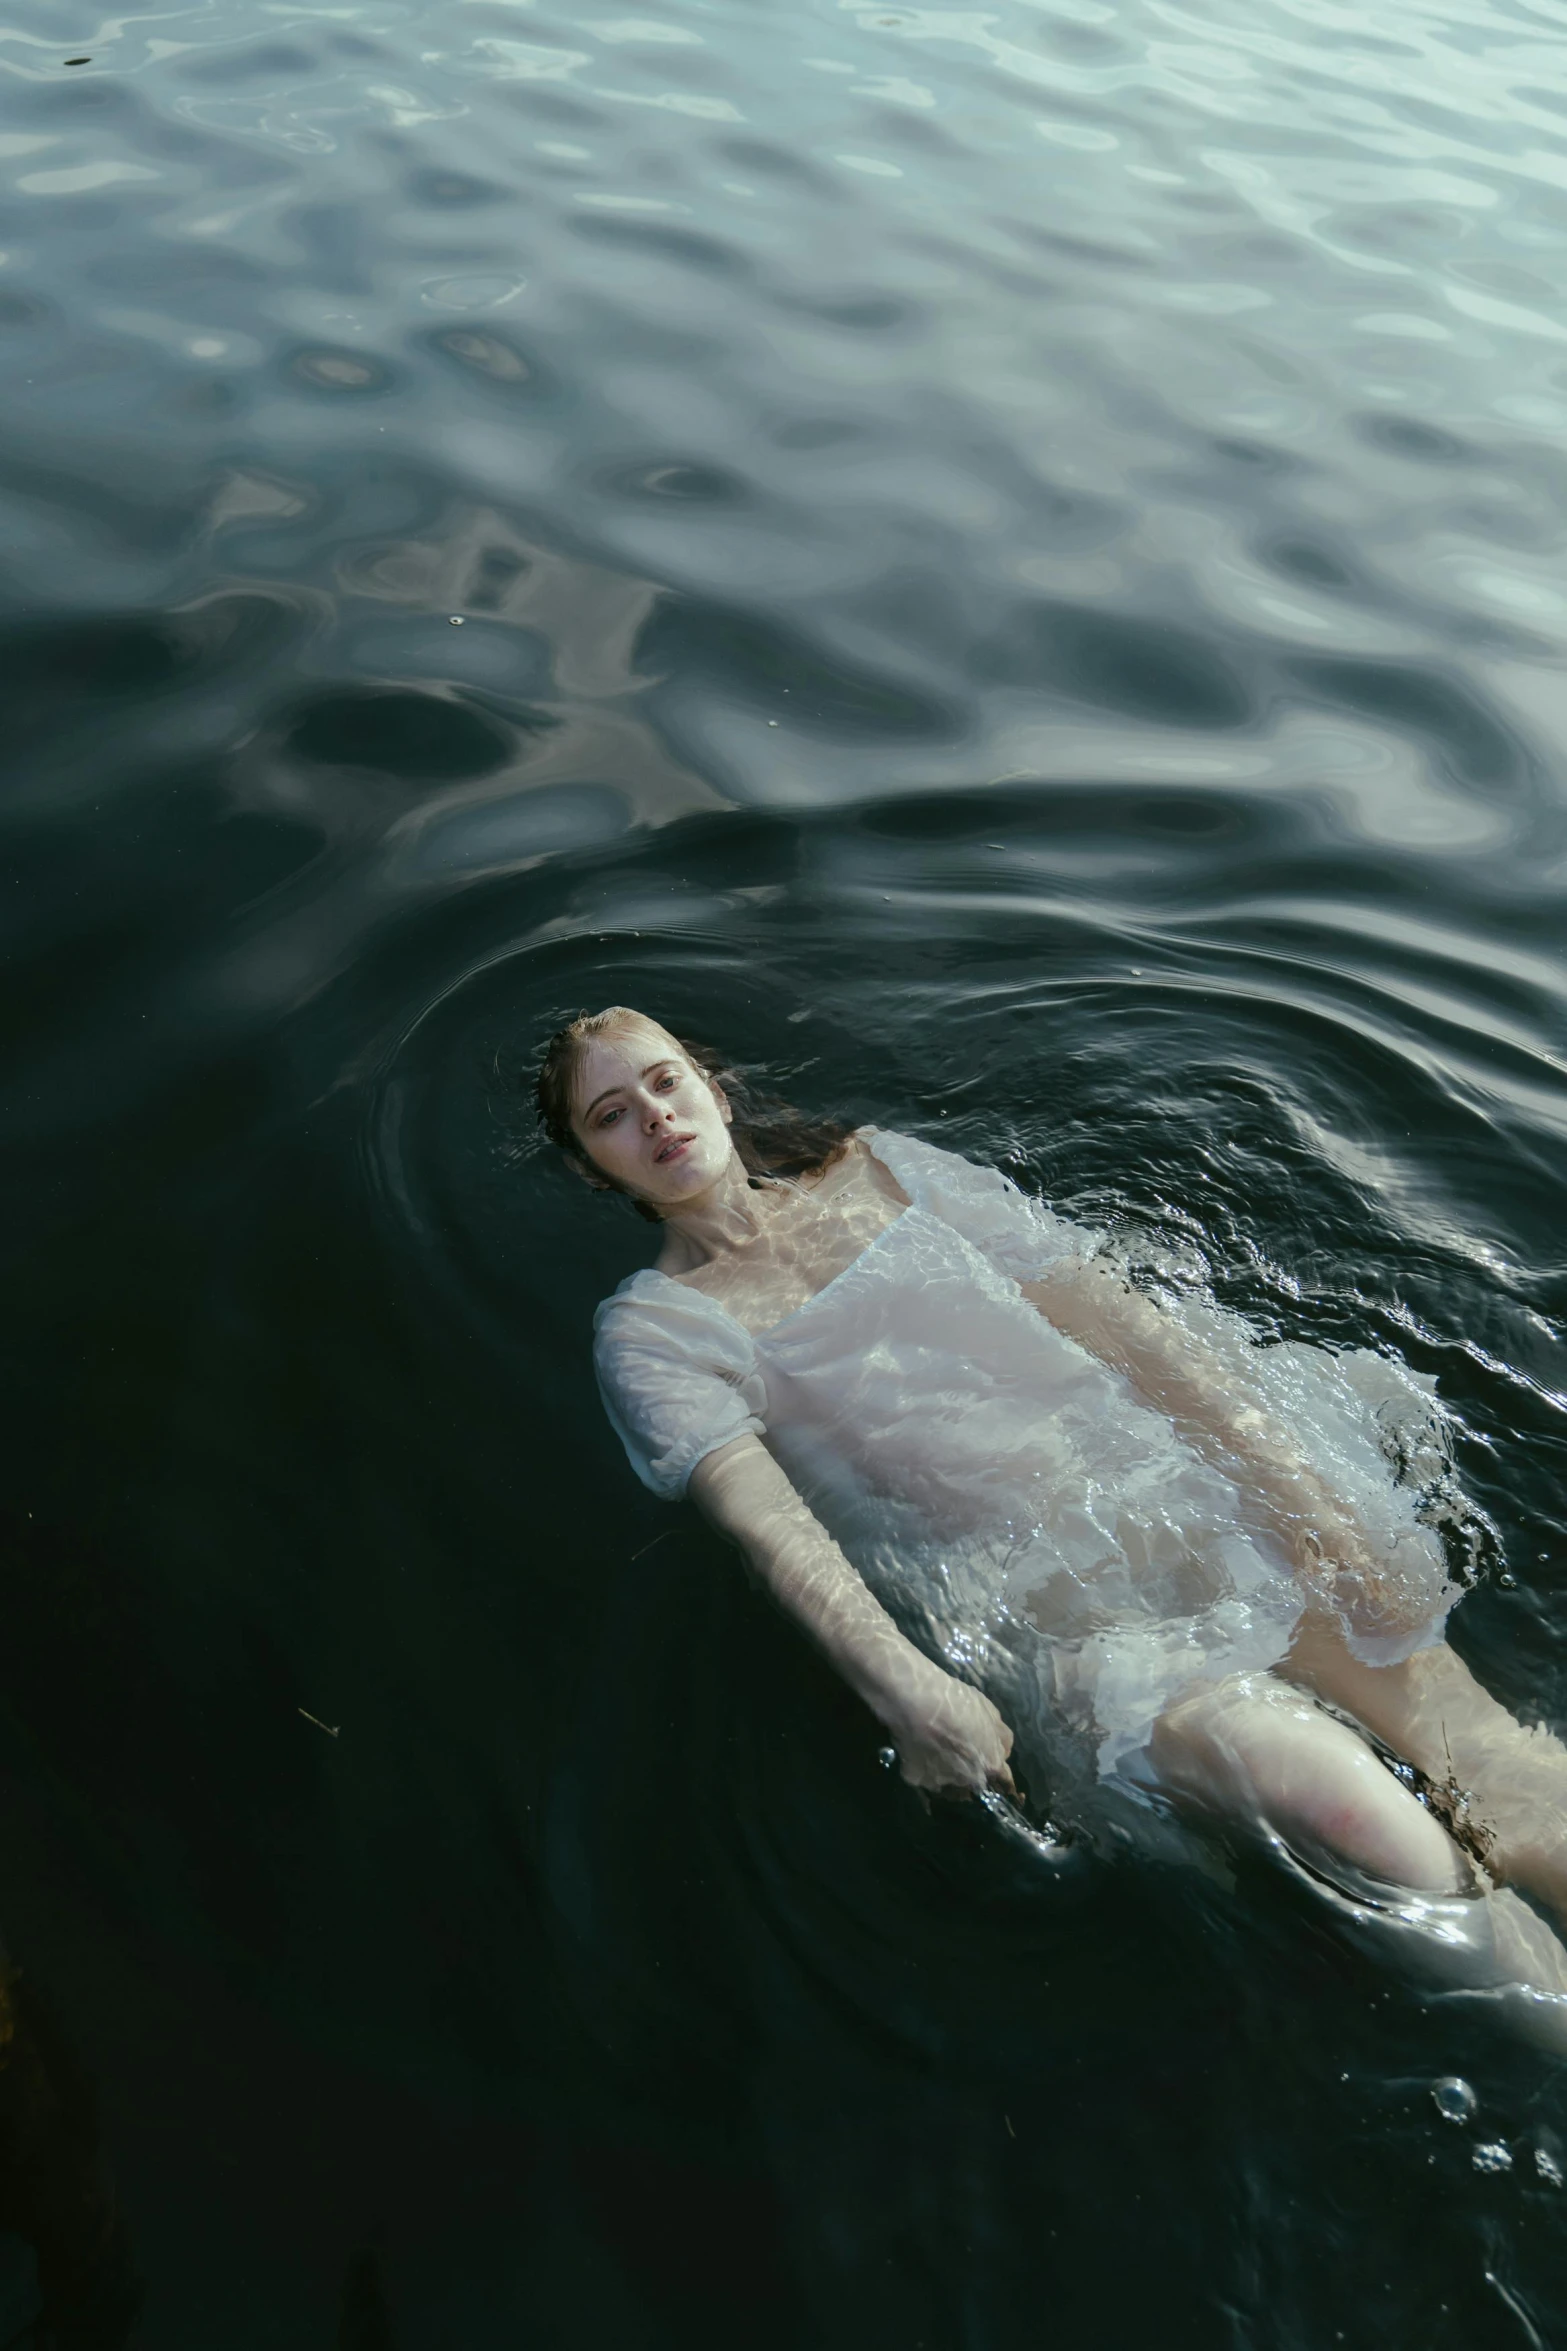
[(1008, 1495)]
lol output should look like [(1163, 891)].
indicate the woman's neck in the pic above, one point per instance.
[(726, 1217)]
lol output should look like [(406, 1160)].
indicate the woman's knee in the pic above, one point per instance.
[(1212, 1742), (1258, 1749)]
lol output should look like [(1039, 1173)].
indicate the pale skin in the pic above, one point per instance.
[(1258, 1748)]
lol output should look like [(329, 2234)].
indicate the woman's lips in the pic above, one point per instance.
[(672, 1149)]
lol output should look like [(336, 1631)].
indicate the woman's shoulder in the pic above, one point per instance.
[(649, 1295), (652, 1312), (919, 1166), (679, 1378), (1019, 1233), (636, 1285)]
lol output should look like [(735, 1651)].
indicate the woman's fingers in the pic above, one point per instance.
[(961, 1747), (946, 1774), (959, 1776)]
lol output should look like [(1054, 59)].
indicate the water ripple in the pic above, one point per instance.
[(1007, 563)]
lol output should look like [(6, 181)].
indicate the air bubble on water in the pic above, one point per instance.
[(1547, 2166), (887, 1757), (456, 619), (1455, 2100), (1493, 2156)]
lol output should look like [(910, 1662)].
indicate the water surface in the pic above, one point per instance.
[(1005, 563)]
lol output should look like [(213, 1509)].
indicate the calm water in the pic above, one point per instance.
[(1005, 562)]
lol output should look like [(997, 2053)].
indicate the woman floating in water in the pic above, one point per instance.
[(1178, 1558)]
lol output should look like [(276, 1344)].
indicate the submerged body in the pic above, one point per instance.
[(1002, 1488), (922, 1405)]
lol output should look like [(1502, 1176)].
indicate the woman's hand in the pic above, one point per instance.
[(1341, 1563), (1345, 1567), (950, 1739)]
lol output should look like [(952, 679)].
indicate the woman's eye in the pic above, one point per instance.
[(667, 1080), (609, 1118)]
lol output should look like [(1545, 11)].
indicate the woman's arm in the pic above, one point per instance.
[(1172, 1370), (948, 1735)]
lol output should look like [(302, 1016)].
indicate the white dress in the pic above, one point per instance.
[(1006, 1495)]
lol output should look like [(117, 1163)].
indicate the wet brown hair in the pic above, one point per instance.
[(771, 1137)]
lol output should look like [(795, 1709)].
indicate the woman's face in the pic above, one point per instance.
[(647, 1119)]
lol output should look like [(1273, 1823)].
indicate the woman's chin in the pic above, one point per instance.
[(680, 1181)]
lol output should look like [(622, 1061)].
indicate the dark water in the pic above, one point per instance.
[(1008, 564)]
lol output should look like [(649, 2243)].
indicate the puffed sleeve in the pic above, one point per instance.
[(679, 1377), (1019, 1236)]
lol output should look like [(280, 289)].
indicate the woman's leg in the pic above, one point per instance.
[(1432, 1711), (1263, 1751), (1257, 1748)]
